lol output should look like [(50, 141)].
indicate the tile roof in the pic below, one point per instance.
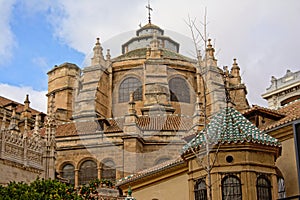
[(164, 122), (20, 107), (152, 170), (141, 53), (256, 108), (145, 123), (230, 126), (77, 128), (291, 112)]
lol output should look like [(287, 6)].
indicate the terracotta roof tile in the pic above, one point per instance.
[(20, 107), (291, 112), (269, 111), (116, 125), (145, 123), (166, 123), (78, 128)]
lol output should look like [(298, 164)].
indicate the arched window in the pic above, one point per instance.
[(128, 86), (200, 190), (281, 188), (68, 172), (87, 172), (263, 188), (108, 170), (179, 90), (231, 188)]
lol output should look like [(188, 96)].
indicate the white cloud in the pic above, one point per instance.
[(41, 62), (262, 35), (18, 93), (7, 42)]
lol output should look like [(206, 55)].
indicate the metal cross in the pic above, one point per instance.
[(149, 10)]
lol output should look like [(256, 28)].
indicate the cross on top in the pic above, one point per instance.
[(149, 10)]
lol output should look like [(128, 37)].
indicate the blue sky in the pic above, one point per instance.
[(36, 50), (36, 35)]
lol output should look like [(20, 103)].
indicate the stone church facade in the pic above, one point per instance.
[(27, 142), (125, 114)]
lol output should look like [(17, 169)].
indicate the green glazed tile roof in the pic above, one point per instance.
[(141, 53), (230, 126)]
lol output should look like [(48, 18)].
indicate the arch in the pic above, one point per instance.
[(129, 85), (68, 172), (231, 187), (200, 190), (179, 90), (108, 170), (263, 188), (87, 171)]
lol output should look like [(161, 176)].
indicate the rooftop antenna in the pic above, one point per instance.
[(149, 11)]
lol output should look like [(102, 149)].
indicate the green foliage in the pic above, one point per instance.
[(42, 189)]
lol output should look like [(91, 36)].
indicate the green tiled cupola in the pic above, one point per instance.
[(230, 126)]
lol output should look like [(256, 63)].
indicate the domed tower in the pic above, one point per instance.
[(161, 79)]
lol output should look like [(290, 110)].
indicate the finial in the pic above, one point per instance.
[(26, 103), (234, 61), (129, 191), (235, 66), (131, 97), (13, 122), (98, 54), (209, 44), (210, 50), (149, 11), (131, 104), (27, 99), (108, 56)]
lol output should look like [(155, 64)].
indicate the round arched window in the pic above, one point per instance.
[(87, 172), (68, 172), (128, 86), (108, 170), (179, 90), (263, 188)]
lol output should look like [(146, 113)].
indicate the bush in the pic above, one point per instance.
[(42, 189)]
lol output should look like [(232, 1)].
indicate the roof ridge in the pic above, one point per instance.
[(230, 126)]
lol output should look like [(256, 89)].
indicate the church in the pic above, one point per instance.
[(165, 125), (125, 114)]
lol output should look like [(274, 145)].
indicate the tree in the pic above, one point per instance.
[(200, 39)]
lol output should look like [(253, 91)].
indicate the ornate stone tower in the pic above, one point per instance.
[(93, 99)]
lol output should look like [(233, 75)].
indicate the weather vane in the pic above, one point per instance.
[(149, 11)]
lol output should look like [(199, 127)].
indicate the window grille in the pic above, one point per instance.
[(128, 86), (87, 172), (281, 188), (200, 190), (263, 188), (231, 188), (108, 171)]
